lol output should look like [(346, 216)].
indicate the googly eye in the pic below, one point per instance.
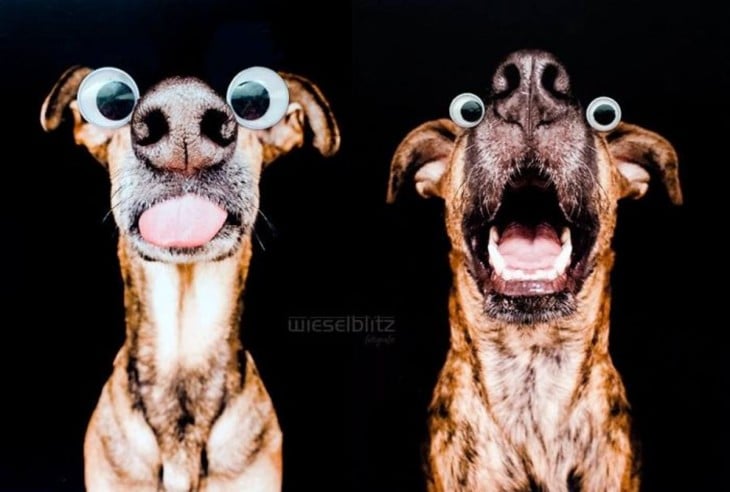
[(107, 96), (466, 110), (259, 98), (603, 114)]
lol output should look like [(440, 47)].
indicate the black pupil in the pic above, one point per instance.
[(471, 111), (115, 100), (250, 100), (604, 114)]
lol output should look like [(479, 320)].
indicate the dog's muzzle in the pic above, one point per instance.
[(188, 193), (529, 218)]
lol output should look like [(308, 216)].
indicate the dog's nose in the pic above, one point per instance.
[(531, 89), (182, 125)]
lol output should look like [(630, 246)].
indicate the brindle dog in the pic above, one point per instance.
[(185, 408), (528, 398)]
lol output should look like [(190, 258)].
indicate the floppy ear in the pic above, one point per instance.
[(423, 156), (308, 108), (635, 150), (62, 97)]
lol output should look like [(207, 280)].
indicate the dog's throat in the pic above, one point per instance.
[(190, 310)]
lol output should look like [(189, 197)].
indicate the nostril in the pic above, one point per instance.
[(218, 127), (555, 81), (507, 80), (151, 128)]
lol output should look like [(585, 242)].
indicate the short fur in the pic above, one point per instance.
[(185, 408), (528, 398)]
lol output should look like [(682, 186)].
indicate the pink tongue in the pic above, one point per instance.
[(529, 248), (184, 222)]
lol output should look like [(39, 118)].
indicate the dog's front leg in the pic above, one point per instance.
[(610, 462), (245, 444), (120, 449)]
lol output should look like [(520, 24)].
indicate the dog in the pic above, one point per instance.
[(528, 397), (185, 408)]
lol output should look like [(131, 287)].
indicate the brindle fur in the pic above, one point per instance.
[(532, 402), (185, 408)]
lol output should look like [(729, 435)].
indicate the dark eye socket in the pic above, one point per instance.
[(250, 100), (115, 100)]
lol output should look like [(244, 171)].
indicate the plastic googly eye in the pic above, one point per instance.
[(466, 110), (603, 114), (259, 98), (107, 96)]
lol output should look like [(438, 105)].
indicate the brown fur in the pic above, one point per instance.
[(185, 408), (535, 406)]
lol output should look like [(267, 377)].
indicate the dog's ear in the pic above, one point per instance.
[(63, 97), (308, 109), (635, 150), (423, 156)]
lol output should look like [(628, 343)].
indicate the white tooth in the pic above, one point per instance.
[(493, 235), (548, 274), (563, 259), (495, 258), (521, 275), (565, 236)]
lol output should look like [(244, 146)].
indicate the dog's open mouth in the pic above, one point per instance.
[(531, 246)]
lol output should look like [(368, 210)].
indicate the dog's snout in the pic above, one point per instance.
[(182, 125), (531, 89)]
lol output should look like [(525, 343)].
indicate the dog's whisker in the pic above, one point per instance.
[(258, 240), (540, 265), (268, 222), (190, 182)]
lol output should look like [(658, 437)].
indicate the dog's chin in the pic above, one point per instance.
[(225, 244), (529, 310), (530, 258)]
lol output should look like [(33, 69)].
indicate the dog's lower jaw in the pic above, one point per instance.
[(530, 406), (184, 408)]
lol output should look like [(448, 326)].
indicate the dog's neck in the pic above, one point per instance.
[(183, 317), (182, 355), (547, 359)]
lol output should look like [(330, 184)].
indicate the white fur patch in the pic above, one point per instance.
[(191, 311)]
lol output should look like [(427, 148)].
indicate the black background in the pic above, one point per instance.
[(352, 411)]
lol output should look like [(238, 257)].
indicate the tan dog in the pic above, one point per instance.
[(528, 398), (185, 408)]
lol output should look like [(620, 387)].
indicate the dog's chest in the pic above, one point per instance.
[(183, 352), (192, 312), (530, 394), (529, 389)]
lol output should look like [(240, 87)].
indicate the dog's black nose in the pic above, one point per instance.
[(182, 125), (530, 89)]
